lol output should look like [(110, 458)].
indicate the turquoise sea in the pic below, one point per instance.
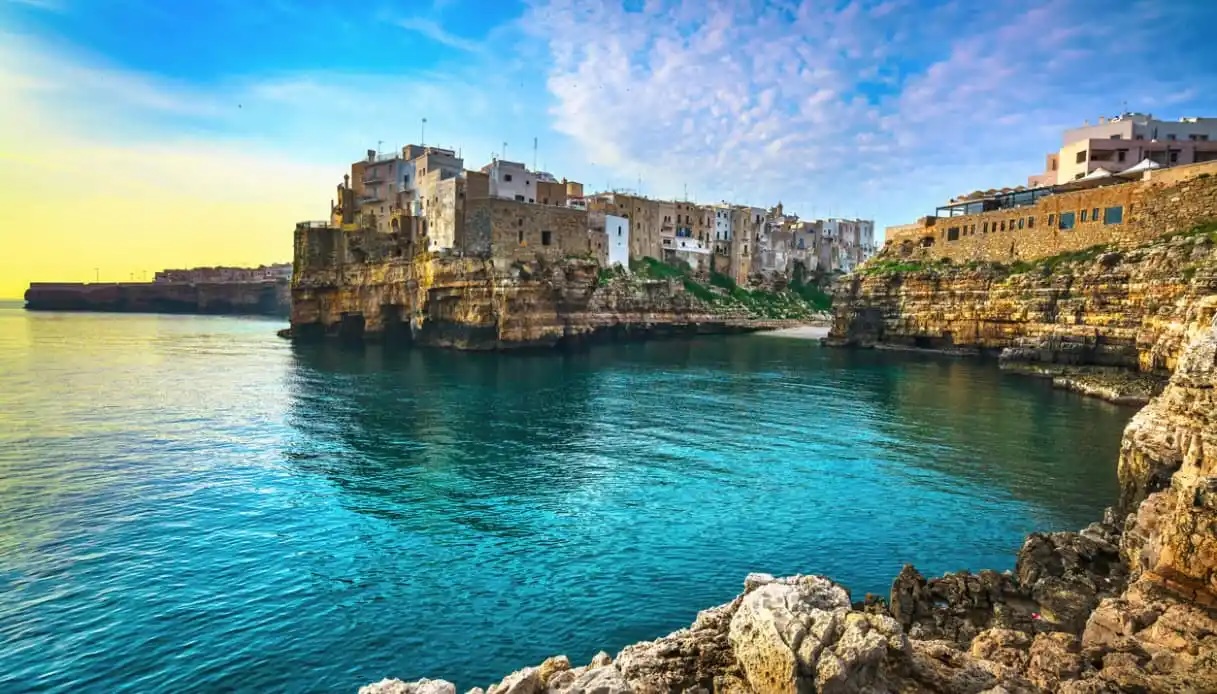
[(193, 504)]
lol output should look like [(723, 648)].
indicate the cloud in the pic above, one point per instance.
[(868, 108), (434, 31)]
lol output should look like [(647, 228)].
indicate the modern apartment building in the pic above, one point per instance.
[(1118, 143)]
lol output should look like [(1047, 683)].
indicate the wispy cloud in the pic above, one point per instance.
[(434, 31), (868, 107)]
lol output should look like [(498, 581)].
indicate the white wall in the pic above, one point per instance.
[(523, 183), (722, 224), (618, 231)]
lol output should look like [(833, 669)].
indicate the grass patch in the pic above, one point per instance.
[(700, 291)]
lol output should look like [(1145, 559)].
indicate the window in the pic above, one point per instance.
[(520, 222), (1051, 219), (1079, 175), (1121, 154), (619, 230), (1117, 136), (1094, 215), (1083, 216), (506, 177), (1174, 156), (1082, 156), (1020, 222), (521, 237), (1138, 137), (1066, 220), (1003, 225), (527, 182), (1170, 136), (531, 200), (519, 198), (547, 238), (1031, 222), (544, 201), (1113, 215), (984, 228)]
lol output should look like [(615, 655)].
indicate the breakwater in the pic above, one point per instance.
[(269, 298)]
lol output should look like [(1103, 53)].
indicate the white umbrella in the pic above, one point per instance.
[(1144, 165), (1097, 173)]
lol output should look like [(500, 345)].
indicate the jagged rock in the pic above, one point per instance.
[(958, 606), (526, 681), (604, 680), (794, 634), (600, 660), (552, 666), (423, 686)]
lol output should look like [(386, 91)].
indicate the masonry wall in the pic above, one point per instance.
[(523, 231), (1147, 209)]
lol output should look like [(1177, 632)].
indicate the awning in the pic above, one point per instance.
[(1144, 165)]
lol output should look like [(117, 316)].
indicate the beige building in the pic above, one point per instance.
[(1119, 143)]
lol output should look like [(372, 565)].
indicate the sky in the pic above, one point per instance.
[(142, 134)]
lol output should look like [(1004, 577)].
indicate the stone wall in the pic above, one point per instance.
[(1164, 202), (524, 231), (267, 298)]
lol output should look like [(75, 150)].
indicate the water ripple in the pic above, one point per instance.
[(190, 503)]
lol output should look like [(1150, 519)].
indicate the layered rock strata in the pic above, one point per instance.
[(366, 285), (1128, 604), (1128, 309)]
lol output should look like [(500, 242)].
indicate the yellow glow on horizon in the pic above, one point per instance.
[(81, 189)]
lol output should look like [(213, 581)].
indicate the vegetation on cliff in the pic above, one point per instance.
[(798, 300)]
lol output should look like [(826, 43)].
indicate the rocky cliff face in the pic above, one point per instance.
[(1118, 308), (360, 285), (1126, 605)]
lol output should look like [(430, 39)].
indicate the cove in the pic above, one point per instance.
[(191, 502)]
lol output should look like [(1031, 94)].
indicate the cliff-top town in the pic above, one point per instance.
[(505, 210)]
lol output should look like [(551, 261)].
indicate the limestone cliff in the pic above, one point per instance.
[(1128, 308), (1126, 605), (370, 285)]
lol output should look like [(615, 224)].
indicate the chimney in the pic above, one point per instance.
[(1102, 120), (371, 155)]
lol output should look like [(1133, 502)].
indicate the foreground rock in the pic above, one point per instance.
[(1125, 605)]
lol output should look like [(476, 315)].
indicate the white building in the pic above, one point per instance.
[(618, 231), (511, 180), (1121, 142), (722, 222)]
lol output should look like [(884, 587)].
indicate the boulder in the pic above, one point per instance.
[(423, 686)]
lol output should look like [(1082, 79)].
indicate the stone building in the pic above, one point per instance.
[(514, 230), (1122, 210)]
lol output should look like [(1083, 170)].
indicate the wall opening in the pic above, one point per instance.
[(547, 238)]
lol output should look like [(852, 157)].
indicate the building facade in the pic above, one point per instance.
[(1119, 143)]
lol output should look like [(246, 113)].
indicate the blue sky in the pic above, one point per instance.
[(872, 108)]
